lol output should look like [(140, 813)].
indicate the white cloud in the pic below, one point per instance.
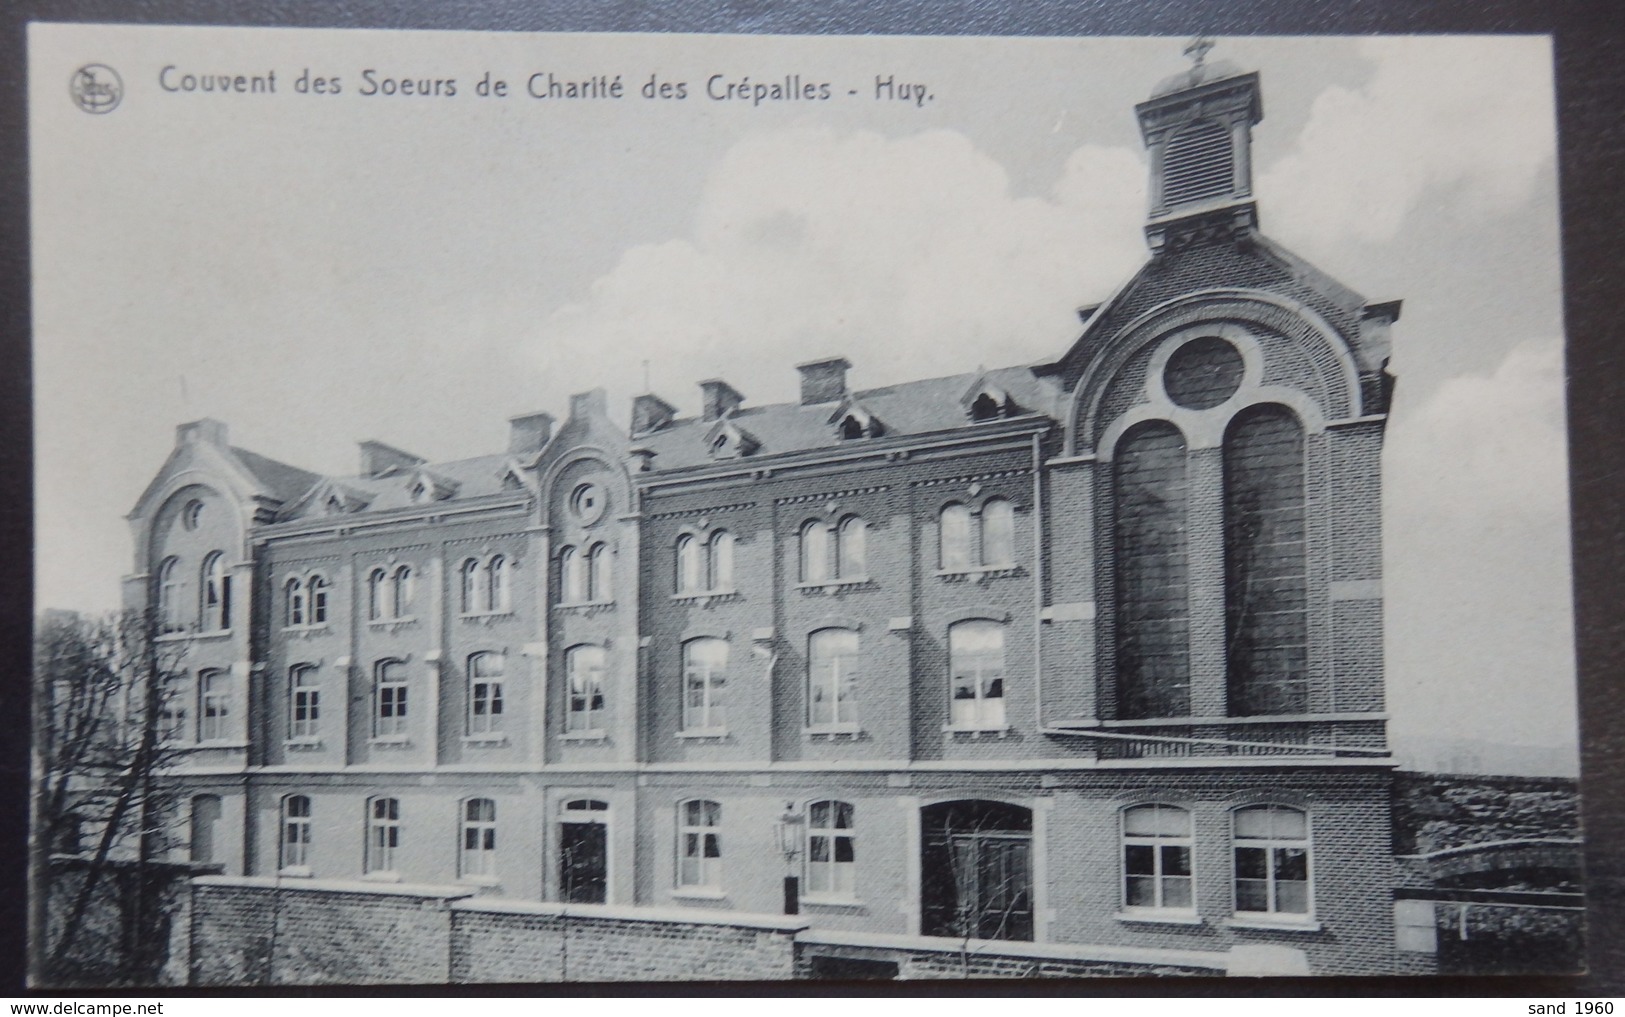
[(813, 241), (1466, 119)]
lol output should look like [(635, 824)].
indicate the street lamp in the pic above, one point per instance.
[(791, 827)]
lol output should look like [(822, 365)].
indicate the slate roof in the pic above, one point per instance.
[(287, 483)]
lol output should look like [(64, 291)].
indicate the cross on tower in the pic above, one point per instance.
[(1197, 48)]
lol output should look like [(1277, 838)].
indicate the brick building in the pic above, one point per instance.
[(1087, 652)]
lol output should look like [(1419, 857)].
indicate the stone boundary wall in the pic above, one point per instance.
[(258, 931)]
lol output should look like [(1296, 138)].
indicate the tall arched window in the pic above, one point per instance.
[(470, 575), (573, 573), (814, 551), (1157, 858), (705, 680), (699, 844), (169, 595), (1266, 570), (316, 591), (216, 593), (478, 843), (304, 702), (690, 575), (998, 533), (295, 847), (383, 834), (976, 680), (401, 590), (851, 548), (721, 561), (831, 858), (584, 669), (377, 595), (296, 614), (496, 584), (1153, 622), (599, 588), (953, 538), (832, 678)]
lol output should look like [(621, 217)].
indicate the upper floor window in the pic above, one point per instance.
[(998, 533), (954, 538), (834, 552), (690, 571), (216, 593), (485, 585), (599, 588), (214, 705), (383, 834), (699, 845), (295, 847), (304, 702), (832, 678), (1157, 858), (720, 561), (306, 601), (584, 670), (705, 679), (478, 855), (172, 708), (831, 859), (1152, 589), (485, 694), (967, 539), (169, 596), (389, 593), (573, 575), (976, 664), (1272, 861), (192, 514), (705, 565), (389, 700)]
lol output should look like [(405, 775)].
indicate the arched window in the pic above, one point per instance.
[(316, 592), (985, 408), (832, 678), (383, 834), (377, 595), (169, 596), (478, 855), (584, 667), (814, 551), (573, 570), (214, 706), (1152, 610), (1266, 569), (496, 584), (851, 549), (294, 599), (599, 587), (1157, 858), (389, 700), (216, 593), (705, 679), (722, 561), (689, 572), (953, 538), (831, 857), (485, 693), (470, 573), (294, 853), (401, 590), (699, 844), (1272, 861), (998, 533), (304, 702), (976, 679)]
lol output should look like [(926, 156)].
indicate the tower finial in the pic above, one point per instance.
[(1197, 48)]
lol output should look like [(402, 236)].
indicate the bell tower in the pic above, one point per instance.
[(1197, 125)]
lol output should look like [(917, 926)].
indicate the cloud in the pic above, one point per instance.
[(1458, 119), (811, 241)]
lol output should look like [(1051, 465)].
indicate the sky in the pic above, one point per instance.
[(316, 270)]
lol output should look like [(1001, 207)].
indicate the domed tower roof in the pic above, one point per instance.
[(1200, 74)]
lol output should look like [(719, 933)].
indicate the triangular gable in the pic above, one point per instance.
[(984, 400), (727, 440), (426, 485), (852, 420), (214, 464), (329, 497)]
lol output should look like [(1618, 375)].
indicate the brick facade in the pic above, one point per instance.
[(568, 577)]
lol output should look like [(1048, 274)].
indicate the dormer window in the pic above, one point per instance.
[(985, 408), (985, 401), (851, 427), (727, 440)]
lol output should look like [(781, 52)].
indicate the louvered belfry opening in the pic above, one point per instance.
[(1266, 574), (1152, 602), (1198, 163)]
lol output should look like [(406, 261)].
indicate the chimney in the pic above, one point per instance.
[(378, 458), (719, 398), (823, 381), (207, 431), (650, 413), (529, 432), (587, 404)]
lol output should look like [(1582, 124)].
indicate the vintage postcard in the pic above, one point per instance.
[(526, 508)]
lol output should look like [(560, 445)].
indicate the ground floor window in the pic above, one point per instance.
[(976, 870), (1272, 860)]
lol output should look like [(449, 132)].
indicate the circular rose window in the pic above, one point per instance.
[(1203, 373), (587, 503)]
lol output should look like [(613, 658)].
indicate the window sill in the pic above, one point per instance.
[(585, 607), (307, 631), (705, 598), (976, 731), (833, 902), (295, 872), (391, 741), (485, 617), (830, 587), (584, 736), (302, 744), (833, 732), (980, 573), (704, 734), (1152, 916), (698, 893), (1265, 924), (485, 740), (221, 743), (390, 876), (391, 624)]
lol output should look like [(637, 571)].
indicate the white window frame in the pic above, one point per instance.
[(831, 879), (383, 836), (393, 692), (585, 720), (1007, 508), (690, 565), (489, 720), (955, 550), (213, 705), (304, 696), (215, 609), (377, 583), (851, 549), (479, 861), (843, 668), (719, 562), (699, 846), (168, 588), (468, 575), (293, 849), (498, 583), (600, 580), (815, 547), (402, 586), (1159, 878), (711, 716), (1270, 845), (983, 714)]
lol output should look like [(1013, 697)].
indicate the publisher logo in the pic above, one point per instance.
[(96, 88)]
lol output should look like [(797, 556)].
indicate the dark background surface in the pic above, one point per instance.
[(1590, 50)]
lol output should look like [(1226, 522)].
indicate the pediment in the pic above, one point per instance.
[(727, 440)]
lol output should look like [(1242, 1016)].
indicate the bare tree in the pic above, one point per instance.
[(105, 707), (978, 875)]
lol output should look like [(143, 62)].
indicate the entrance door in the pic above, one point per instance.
[(584, 852), (976, 866)]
